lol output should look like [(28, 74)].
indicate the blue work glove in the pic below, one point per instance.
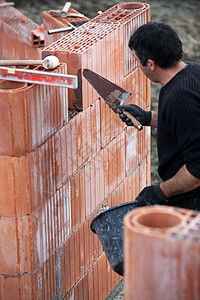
[(151, 195), (143, 116)]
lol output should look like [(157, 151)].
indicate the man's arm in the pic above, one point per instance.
[(183, 181)]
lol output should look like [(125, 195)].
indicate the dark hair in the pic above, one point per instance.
[(156, 41)]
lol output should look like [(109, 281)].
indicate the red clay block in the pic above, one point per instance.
[(131, 149), (15, 198), (8, 249), (77, 143), (99, 178), (76, 204), (112, 157), (171, 236), (31, 115), (10, 288), (17, 39)]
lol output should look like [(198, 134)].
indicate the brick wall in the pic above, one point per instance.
[(60, 166)]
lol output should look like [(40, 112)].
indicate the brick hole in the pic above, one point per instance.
[(11, 85), (119, 17), (132, 6), (159, 220)]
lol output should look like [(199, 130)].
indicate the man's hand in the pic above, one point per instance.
[(151, 195), (143, 116)]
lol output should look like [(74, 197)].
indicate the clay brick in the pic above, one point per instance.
[(9, 257), (77, 184), (15, 198), (77, 143), (21, 38), (113, 154), (166, 231), (10, 288), (33, 114), (132, 158), (89, 284)]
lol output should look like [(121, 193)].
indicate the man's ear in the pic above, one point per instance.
[(151, 64)]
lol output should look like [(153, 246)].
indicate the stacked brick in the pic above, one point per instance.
[(20, 37), (169, 266), (101, 45), (52, 22), (59, 166)]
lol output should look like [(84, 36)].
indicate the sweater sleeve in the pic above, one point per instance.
[(185, 121)]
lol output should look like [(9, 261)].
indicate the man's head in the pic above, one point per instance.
[(157, 42)]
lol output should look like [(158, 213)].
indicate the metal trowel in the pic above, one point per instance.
[(112, 94)]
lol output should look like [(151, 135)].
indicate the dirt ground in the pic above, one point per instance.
[(182, 15)]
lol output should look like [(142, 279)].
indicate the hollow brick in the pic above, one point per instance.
[(171, 237)]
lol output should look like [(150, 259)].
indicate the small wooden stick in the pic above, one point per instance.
[(49, 62), (135, 122)]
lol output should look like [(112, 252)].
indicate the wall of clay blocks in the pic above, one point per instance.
[(57, 170), (101, 45)]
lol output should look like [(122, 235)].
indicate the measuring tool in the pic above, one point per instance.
[(39, 77)]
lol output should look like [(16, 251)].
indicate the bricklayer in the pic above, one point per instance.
[(98, 45)]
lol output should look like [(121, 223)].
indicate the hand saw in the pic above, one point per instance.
[(111, 93)]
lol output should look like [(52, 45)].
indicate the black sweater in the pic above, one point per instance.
[(178, 130)]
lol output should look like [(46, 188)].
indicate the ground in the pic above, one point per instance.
[(182, 15)]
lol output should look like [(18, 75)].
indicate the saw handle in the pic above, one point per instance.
[(135, 122)]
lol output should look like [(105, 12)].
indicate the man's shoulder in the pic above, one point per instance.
[(192, 69)]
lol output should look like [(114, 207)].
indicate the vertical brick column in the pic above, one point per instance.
[(161, 246)]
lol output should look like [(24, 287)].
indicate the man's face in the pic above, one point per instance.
[(145, 69)]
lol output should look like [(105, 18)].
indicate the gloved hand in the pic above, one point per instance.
[(151, 195), (143, 116)]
